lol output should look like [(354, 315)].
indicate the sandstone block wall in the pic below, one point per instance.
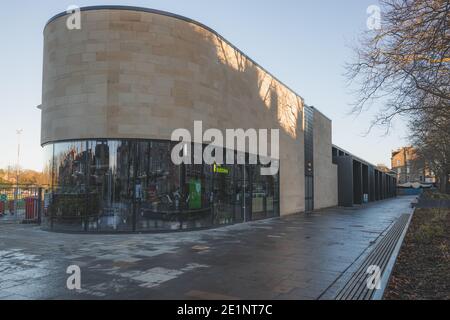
[(135, 74)]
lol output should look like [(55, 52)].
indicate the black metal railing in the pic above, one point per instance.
[(21, 203)]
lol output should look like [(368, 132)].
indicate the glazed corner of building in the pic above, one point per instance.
[(138, 73)]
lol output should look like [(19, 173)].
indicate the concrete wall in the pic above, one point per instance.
[(135, 74), (325, 172)]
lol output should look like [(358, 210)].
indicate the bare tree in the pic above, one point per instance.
[(406, 62), (430, 134)]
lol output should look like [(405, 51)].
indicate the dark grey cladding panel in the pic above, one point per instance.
[(345, 180), (357, 182)]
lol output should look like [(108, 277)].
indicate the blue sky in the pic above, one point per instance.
[(304, 43)]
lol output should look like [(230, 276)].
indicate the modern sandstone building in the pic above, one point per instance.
[(113, 93)]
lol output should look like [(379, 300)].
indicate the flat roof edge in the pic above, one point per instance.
[(359, 159), (321, 113)]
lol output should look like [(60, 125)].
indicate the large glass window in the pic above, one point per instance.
[(242, 204), (159, 195), (69, 204), (48, 174), (111, 180), (272, 196), (197, 208), (224, 194), (132, 185), (258, 194)]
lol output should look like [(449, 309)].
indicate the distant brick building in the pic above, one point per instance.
[(410, 167)]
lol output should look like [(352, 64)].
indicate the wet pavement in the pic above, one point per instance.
[(296, 257)]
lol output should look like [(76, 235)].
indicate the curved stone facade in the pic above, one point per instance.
[(130, 73)]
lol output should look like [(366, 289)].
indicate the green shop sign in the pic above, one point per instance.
[(3, 197), (219, 169)]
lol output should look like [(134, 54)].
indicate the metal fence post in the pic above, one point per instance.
[(39, 209)]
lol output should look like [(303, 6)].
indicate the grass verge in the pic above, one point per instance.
[(422, 269)]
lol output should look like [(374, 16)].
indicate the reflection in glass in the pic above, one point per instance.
[(159, 197), (224, 194), (110, 185), (258, 194), (132, 185), (48, 174), (68, 204)]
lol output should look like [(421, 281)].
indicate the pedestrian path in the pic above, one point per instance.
[(303, 256)]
